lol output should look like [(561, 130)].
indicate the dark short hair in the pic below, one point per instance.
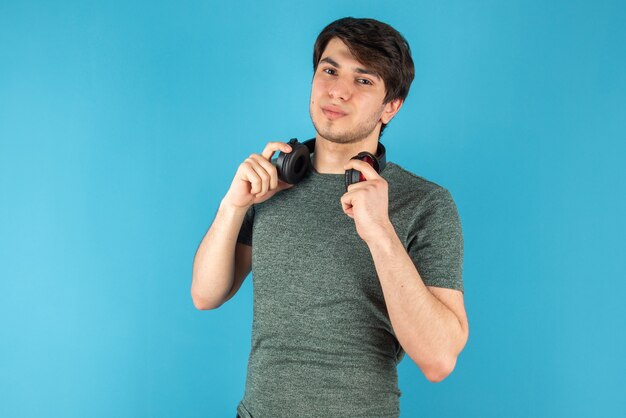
[(376, 45)]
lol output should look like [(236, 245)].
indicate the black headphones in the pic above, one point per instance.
[(293, 166)]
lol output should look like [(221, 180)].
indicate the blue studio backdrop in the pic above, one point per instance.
[(123, 123)]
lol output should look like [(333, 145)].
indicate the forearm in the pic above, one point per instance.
[(429, 332), (214, 262)]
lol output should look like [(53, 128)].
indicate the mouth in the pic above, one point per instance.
[(333, 112)]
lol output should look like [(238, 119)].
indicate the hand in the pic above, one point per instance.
[(367, 202), (256, 179)]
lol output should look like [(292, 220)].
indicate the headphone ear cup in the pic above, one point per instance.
[(355, 176), (352, 176), (293, 166)]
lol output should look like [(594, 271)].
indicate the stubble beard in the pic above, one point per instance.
[(328, 130)]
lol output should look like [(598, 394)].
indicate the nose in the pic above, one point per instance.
[(339, 89)]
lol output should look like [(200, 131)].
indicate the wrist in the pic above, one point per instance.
[(384, 238), (227, 206)]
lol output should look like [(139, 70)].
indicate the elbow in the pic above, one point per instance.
[(442, 369), (439, 372), (201, 303)]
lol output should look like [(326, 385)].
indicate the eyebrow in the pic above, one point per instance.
[(357, 69)]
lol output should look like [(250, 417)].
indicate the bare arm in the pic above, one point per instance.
[(221, 264), (243, 266), (430, 323)]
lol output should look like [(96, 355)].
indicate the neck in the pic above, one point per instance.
[(330, 157)]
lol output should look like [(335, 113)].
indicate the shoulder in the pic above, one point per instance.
[(404, 184)]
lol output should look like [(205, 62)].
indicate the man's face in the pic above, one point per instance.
[(347, 98)]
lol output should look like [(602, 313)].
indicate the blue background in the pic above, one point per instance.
[(121, 126)]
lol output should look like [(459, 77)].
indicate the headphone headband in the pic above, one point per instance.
[(294, 165), (381, 154)]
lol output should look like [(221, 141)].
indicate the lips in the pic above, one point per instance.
[(333, 112)]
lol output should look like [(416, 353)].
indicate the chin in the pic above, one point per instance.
[(340, 137), (330, 134)]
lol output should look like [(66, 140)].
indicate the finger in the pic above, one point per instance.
[(272, 147), (368, 171), (346, 202), (269, 168), (355, 186), (261, 172), (283, 185), (347, 208), (250, 175)]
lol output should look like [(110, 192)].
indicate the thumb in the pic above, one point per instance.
[(283, 185)]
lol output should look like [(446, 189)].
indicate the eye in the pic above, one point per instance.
[(364, 81), (330, 71)]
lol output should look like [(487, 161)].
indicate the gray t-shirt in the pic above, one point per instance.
[(322, 342)]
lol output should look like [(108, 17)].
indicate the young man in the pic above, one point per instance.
[(344, 282)]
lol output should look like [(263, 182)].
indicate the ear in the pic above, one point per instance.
[(390, 110)]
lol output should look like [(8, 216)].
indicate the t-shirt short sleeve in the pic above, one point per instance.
[(245, 233), (436, 242)]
